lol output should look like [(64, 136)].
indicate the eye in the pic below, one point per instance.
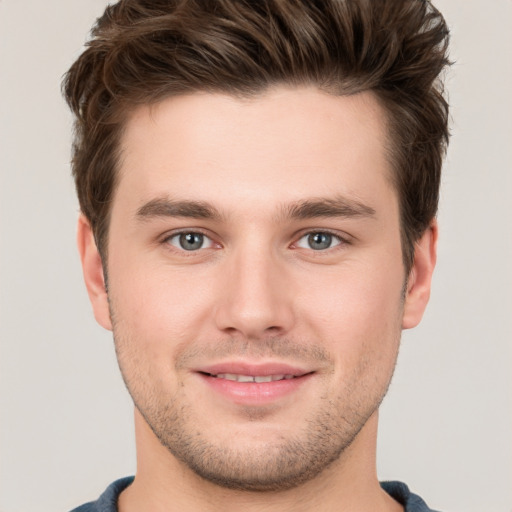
[(190, 241), (319, 241)]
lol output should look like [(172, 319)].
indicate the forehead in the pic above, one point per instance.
[(282, 145)]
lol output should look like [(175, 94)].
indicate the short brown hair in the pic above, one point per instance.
[(142, 51)]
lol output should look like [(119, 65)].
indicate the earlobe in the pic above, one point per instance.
[(420, 277), (93, 273)]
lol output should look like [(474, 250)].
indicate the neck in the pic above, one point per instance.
[(163, 483)]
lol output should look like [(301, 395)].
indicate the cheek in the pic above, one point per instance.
[(358, 313), (359, 294), (158, 307)]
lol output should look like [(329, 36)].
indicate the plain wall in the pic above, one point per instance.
[(65, 419)]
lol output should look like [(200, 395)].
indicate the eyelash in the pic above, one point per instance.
[(341, 241), (167, 240)]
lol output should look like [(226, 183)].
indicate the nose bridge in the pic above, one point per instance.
[(254, 299)]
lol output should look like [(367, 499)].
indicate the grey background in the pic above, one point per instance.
[(66, 420)]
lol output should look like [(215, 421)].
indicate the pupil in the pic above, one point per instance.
[(319, 241), (191, 241)]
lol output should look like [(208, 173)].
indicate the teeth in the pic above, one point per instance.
[(243, 378), (251, 378)]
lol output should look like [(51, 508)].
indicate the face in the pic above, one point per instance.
[(255, 279)]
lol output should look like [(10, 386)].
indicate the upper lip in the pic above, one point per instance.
[(253, 369)]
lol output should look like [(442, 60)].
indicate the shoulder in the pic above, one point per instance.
[(107, 502), (401, 493)]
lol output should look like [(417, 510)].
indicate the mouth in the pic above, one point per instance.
[(252, 378), (254, 384)]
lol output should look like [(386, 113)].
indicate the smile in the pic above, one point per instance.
[(252, 378), (254, 385)]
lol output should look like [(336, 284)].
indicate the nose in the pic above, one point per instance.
[(256, 299)]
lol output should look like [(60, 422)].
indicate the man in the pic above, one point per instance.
[(258, 184)]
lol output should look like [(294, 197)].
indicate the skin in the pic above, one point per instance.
[(257, 293)]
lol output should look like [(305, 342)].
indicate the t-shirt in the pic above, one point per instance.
[(107, 502)]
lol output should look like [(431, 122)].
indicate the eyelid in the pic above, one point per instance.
[(165, 239), (343, 239)]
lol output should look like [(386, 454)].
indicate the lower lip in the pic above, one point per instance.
[(254, 393)]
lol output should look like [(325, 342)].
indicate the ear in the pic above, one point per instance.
[(420, 277), (93, 273)]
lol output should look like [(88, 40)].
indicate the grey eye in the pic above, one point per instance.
[(318, 241), (190, 241)]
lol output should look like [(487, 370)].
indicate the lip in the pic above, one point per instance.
[(255, 369), (254, 393)]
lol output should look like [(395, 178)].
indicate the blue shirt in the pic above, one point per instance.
[(107, 502)]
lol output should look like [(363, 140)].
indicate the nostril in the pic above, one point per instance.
[(251, 316)]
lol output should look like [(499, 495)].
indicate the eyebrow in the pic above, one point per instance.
[(327, 207), (300, 210), (164, 207)]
